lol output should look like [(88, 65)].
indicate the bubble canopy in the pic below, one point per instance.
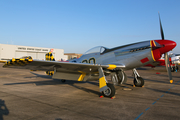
[(97, 49)]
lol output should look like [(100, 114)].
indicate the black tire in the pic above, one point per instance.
[(63, 81), (125, 78), (140, 82), (114, 79), (120, 75), (110, 92)]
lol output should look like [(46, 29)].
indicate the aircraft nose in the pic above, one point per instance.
[(168, 45)]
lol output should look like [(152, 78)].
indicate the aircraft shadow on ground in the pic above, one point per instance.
[(124, 85), (141, 68), (167, 76), (3, 109), (162, 91), (41, 76), (87, 90), (58, 82), (158, 81)]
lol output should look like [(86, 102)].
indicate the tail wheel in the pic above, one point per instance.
[(110, 92), (138, 82)]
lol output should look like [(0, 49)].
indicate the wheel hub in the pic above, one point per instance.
[(107, 92)]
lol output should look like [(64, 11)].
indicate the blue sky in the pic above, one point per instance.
[(78, 25)]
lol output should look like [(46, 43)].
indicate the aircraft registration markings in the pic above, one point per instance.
[(89, 61)]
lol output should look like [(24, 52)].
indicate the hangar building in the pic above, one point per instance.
[(73, 55), (16, 51)]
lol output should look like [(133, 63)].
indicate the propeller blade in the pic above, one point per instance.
[(161, 29), (168, 67)]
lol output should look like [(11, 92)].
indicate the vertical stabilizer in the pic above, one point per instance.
[(49, 56)]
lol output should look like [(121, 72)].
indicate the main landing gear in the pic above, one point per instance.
[(110, 92), (106, 88), (138, 81), (118, 77)]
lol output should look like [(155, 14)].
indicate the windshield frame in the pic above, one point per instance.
[(97, 49)]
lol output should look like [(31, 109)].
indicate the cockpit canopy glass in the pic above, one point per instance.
[(98, 49)]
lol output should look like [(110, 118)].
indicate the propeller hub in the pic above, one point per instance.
[(167, 45)]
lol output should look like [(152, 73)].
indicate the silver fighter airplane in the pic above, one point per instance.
[(101, 61)]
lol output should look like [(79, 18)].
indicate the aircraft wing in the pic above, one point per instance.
[(67, 70), (59, 66)]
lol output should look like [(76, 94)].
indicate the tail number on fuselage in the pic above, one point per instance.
[(91, 60)]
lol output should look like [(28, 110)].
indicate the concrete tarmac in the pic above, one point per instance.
[(32, 95)]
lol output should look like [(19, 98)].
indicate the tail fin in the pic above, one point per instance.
[(49, 57)]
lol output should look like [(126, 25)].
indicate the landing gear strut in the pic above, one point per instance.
[(138, 80), (107, 89)]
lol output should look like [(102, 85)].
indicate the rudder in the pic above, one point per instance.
[(49, 57)]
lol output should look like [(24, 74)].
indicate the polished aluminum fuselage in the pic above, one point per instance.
[(131, 56)]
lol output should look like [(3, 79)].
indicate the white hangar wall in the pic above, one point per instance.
[(16, 51)]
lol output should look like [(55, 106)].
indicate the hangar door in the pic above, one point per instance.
[(20, 54), (32, 54), (41, 56)]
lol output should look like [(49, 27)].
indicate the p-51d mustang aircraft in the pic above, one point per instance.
[(101, 61)]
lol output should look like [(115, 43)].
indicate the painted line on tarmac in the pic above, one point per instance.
[(147, 108), (155, 102), (139, 116)]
